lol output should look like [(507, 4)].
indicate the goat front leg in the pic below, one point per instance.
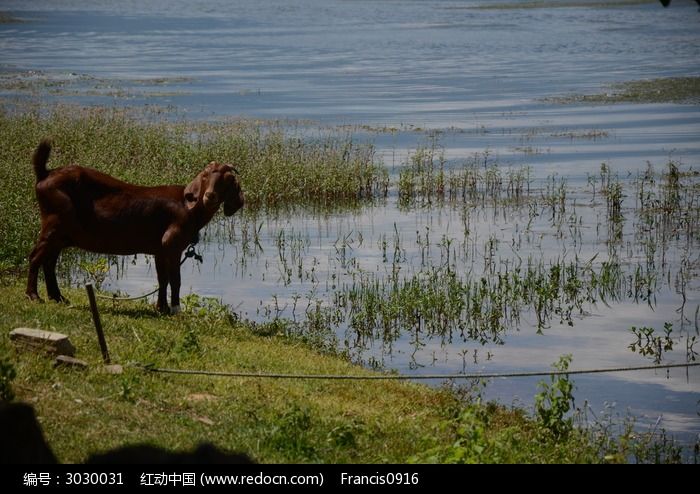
[(163, 278), (174, 274), (171, 253)]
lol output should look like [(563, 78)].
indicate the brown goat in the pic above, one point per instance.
[(84, 208)]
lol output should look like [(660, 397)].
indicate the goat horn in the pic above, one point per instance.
[(232, 168)]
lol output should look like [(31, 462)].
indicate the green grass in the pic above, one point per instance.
[(272, 420), (663, 90)]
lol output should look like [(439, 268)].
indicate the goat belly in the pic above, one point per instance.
[(115, 240), (123, 227)]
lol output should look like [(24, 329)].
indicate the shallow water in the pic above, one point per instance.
[(394, 73)]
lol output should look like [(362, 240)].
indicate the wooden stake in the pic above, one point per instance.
[(98, 323)]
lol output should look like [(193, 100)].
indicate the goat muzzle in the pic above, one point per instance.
[(211, 200)]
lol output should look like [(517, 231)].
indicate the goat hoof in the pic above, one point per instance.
[(34, 297), (175, 309), (60, 300)]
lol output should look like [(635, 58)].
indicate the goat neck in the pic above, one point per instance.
[(201, 215)]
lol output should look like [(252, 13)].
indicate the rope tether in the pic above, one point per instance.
[(189, 252), (150, 368)]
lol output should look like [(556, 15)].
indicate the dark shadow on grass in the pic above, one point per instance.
[(121, 309)]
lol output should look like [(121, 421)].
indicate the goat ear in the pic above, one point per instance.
[(192, 192), (233, 198), (230, 207)]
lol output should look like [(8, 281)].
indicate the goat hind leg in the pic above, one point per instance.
[(45, 254), (35, 262), (52, 290)]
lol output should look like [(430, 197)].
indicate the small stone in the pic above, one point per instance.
[(113, 369), (205, 420), (198, 397), (48, 341)]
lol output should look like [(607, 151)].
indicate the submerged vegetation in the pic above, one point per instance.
[(549, 4), (533, 272), (663, 90), (479, 181), (71, 84), (6, 18)]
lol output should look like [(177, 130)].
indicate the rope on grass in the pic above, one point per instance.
[(150, 368), (124, 299)]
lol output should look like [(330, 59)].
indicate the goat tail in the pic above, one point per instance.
[(40, 158)]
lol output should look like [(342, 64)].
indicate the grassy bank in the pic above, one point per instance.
[(87, 411)]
